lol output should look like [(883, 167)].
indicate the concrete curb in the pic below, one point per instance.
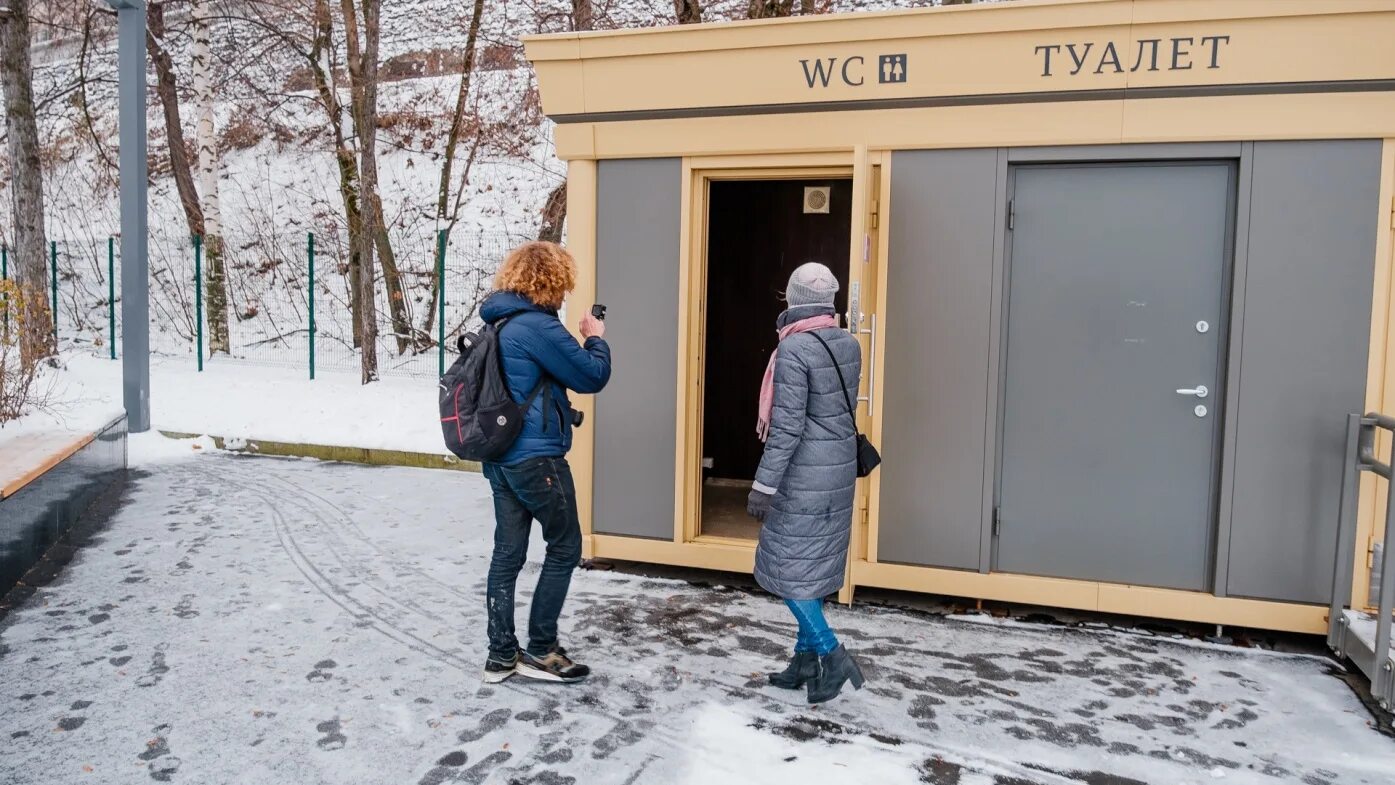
[(324, 452)]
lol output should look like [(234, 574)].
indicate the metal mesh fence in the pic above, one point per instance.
[(290, 298)]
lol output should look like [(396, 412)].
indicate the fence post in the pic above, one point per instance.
[(310, 253), (441, 302), (111, 293), (5, 276), (53, 276), (198, 296)]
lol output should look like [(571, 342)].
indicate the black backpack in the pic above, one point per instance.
[(479, 419)]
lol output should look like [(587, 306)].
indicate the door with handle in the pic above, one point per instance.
[(1112, 373)]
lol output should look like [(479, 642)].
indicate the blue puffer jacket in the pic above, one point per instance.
[(532, 343)]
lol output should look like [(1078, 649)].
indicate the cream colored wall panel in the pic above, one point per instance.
[(1232, 118), (563, 86), (1260, 117)]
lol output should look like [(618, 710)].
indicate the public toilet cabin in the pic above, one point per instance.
[(1120, 270)]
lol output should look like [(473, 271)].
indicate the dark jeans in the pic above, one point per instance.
[(539, 489), (814, 633)]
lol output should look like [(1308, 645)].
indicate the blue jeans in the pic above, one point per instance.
[(539, 489), (814, 632)]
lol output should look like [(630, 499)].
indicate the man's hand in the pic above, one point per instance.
[(591, 327), (758, 505)]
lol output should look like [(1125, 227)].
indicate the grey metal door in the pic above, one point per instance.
[(1112, 383)]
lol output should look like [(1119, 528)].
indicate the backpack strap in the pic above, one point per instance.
[(542, 378), (841, 381)]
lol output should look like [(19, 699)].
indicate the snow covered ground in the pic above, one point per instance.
[(244, 401), (70, 405), (253, 620)]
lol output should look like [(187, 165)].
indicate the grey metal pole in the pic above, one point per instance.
[(1381, 669), (135, 263), (1346, 534)]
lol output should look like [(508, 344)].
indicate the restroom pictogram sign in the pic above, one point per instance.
[(892, 69)]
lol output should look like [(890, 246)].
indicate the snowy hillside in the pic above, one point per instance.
[(278, 178)]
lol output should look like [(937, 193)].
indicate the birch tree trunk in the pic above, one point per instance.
[(27, 186), (363, 80), (207, 141)]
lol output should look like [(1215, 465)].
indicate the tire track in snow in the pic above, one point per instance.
[(379, 622), (325, 517), (327, 586), (348, 523)]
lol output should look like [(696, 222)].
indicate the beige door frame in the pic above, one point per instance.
[(698, 174)]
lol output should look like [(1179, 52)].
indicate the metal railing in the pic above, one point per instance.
[(1353, 633), (288, 298)]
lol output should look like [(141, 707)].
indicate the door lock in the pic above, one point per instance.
[(1199, 391)]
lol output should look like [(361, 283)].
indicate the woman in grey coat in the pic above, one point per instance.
[(803, 491)]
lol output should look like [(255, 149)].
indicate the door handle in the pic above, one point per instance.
[(871, 364), (1199, 391)]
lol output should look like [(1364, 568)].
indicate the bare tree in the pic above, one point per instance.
[(167, 89), (689, 12), (218, 339), (27, 189), (362, 56), (554, 213), (446, 214), (84, 103), (583, 15), (769, 9), (392, 275), (321, 62), (363, 82)]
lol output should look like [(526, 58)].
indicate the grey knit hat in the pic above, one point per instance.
[(811, 284)]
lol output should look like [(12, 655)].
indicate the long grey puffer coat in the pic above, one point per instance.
[(809, 464)]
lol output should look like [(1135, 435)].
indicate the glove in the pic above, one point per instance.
[(757, 505)]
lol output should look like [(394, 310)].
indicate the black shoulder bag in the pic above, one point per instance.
[(867, 456)]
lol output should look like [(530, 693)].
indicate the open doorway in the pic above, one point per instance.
[(758, 232)]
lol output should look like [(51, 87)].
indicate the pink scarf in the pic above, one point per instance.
[(767, 382)]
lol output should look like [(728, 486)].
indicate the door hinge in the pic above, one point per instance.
[(1012, 215), (997, 521)]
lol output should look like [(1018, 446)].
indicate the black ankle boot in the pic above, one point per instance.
[(835, 668), (803, 667)]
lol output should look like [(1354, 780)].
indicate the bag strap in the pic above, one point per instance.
[(841, 381)]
